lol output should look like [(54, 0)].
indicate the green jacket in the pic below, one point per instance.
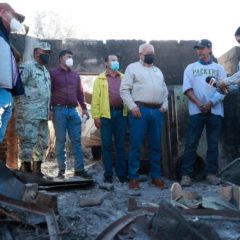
[(100, 106)]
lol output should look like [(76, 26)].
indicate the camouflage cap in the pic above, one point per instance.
[(43, 45)]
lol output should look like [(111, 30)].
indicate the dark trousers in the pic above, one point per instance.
[(114, 127), (196, 125)]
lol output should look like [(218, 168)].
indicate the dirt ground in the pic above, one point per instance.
[(88, 222)]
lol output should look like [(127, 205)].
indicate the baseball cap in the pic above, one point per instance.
[(7, 7), (203, 43), (43, 45)]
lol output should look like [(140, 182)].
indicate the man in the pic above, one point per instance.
[(144, 92), (205, 109), (235, 78), (109, 115), (10, 82), (67, 95), (32, 110)]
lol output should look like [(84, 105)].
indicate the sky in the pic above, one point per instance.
[(146, 20)]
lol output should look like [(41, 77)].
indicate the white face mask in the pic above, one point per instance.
[(69, 62), (15, 25)]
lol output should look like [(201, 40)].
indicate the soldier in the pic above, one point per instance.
[(33, 110)]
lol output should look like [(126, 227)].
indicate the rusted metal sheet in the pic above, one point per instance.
[(10, 186), (113, 229), (231, 172), (52, 225), (53, 183), (228, 213)]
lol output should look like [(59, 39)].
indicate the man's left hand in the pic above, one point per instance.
[(206, 107)]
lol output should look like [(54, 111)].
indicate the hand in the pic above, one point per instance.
[(85, 112), (162, 109), (200, 105), (50, 115), (97, 123), (206, 107), (223, 86), (136, 112)]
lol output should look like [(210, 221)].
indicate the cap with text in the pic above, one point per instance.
[(203, 43)]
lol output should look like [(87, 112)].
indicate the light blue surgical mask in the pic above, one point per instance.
[(115, 65)]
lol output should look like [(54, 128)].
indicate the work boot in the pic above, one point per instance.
[(61, 174), (133, 184), (82, 173), (186, 181), (159, 183), (122, 179), (25, 167), (36, 169), (213, 180), (108, 179)]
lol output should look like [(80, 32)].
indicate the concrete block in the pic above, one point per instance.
[(236, 196), (47, 199), (30, 193), (226, 192), (93, 200), (106, 186)]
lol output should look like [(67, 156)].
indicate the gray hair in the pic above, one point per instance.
[(142, 46)]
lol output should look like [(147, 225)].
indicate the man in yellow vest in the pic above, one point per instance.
[(109, 116)]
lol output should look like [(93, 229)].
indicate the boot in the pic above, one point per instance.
[(25, 167), (36, 169)]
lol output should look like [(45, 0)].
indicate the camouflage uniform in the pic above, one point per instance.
[(32, 112)]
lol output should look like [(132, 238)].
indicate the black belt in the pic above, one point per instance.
[(149, 105), (116, 108), (64, 106)]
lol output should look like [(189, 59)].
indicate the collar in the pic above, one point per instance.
[(144, 64), (205, 63), (117, 73), (38, 64), (64, 70)]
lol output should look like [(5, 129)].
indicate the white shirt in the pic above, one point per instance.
[(143, 84), (195, 78)]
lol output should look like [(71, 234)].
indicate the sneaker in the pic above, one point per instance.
[(213, 180), (108, 179), (133, 184), (159, 183), (82, 173), (61, 174), (186, 181), (122, 179)]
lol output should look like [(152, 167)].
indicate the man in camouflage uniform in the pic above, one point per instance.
[(33, 110)]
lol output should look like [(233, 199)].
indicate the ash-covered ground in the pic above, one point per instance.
[(88, 222)]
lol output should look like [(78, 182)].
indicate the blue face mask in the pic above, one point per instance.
[(115, 65)]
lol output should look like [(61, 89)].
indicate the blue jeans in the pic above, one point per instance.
[(196, 124), (6, 105), (149, 124), (116, 127), (67, 120)]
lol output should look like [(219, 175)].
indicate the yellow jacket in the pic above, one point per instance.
[(100, 106)]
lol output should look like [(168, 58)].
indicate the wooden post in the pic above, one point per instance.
[(12, 143)]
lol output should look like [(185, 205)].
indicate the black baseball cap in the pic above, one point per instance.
[(203, 43)]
